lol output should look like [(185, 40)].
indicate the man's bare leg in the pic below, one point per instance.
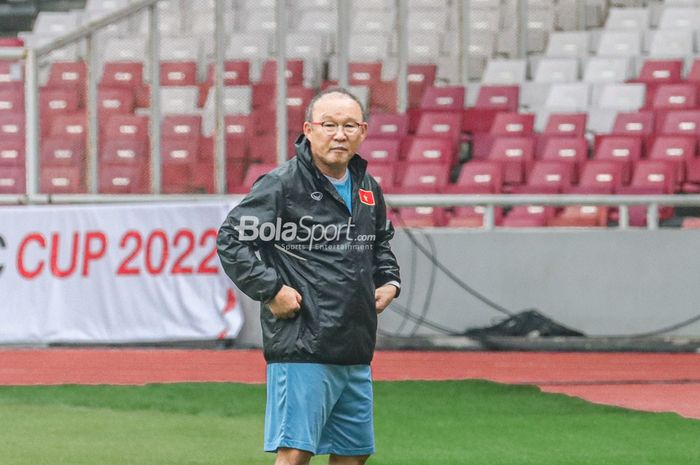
[(286, 456), (347, 460)]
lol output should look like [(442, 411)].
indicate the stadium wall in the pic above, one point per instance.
[(603, 283)]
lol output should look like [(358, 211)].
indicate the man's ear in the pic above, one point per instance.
[(307, 128)]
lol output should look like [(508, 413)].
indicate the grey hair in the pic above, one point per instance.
[(332, 90)]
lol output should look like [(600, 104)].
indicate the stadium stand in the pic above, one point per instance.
[(579, 113)]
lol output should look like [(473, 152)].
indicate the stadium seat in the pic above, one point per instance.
[(516, 154), (571, 97), (573, 44), (627, 19), (472, 217), (528, 216), (620, 43), (420, 217), (236, 73), (12, 180), (125, 152), (503, 98), (384, 175), (557, 70), (61, 180), (389, 125), (685, 122), (505, 72), (440, 124), (675, 43), (624, 149), (607, 69), (12, 152), (60, 151), (67, 74), (478, 177), (450, 98), (599, 177), (580, 216), (571, 151), (547, 177), (661, 71), (430, 149), (677, 18), (513, 124), (675, 96), (677, 151), (566, 124), (11, 97), (111, 101), (381, 151), (185, 126), (622, 97), (294, 72), (423, 178), (123, 179)]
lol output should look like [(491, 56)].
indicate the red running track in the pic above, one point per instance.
[(651, 382)]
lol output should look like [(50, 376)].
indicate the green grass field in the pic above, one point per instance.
[(431, 423)]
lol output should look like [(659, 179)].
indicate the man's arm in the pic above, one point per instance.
[(237, 240)]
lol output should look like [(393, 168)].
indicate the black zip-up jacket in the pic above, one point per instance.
[(307, 239)]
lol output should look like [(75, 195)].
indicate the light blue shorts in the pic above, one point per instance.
[(322, 409)]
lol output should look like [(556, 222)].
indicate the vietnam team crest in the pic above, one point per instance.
[(366, 197)]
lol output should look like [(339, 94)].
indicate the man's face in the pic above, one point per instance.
[(335, 150)]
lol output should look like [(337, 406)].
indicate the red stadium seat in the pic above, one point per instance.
[(626, 150), (11, 97), (12, 180), (364, 74), (528, 216), (236, 73), (122, 74), (239, 131), (675, 96), (12, 152), (12, 125), (581, 216), (634, 123), (420, 217), (125, 152), (390, 125), (440, 124), (71, 74), (599, 177), (113, 101), (516, 154), (385, 175), (682, 122), (179, 151), (450, 98), (61, 180), (124, 179), (478, 177), (54, 100), (694, 73), (295, 72), (430, 150), (424, 178), (677, 151), (126, 126), (381, 151), (547, 177), (178, 73), (472, 217), (504, 98), (185, 126), (60, 151), (420, 77), (570, 150), (513, 124), (661, 71), (566, 124), (651, 177)]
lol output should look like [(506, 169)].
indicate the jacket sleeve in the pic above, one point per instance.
[(386, 268), (237, 240)]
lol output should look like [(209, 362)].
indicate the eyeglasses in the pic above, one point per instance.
[(330, 128)]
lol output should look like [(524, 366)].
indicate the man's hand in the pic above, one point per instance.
[(286, 304), (383, 296)]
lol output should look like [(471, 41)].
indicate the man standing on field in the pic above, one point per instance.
[(325, 270)]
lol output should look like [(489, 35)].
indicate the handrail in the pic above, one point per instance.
[(93, 26)]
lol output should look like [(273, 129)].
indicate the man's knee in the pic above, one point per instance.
[(348, 460), (287, 456)]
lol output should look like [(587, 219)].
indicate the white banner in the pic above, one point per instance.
[(114, 274)]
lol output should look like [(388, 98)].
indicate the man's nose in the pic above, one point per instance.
[(340, 134)]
